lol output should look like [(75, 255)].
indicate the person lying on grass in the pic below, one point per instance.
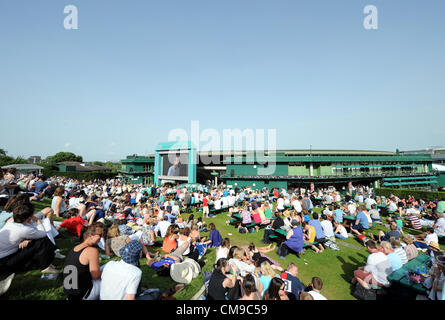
[(258, 255), (23, 246), (73, 222)]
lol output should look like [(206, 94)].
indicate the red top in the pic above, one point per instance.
[(73, 225), (256, 217), (205, 202), (275, 193)]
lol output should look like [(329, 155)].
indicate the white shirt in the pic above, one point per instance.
[(440, 224), (352, 208), (343, 231), (328, 229), (119, 279), (73, 203), (13, 233), (379, 266), (221, 253), (431, 238), (243, 268), (316, 295), (280, 204), (297, 206), (369, 202), (217, 204), (162, 226)]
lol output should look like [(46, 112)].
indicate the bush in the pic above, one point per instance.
[(87, 176), (405, 193)]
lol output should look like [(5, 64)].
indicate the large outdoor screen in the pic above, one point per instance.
[(174, 165)]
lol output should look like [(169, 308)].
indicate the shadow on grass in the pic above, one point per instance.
[(348, 270)]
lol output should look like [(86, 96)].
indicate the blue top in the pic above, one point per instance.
[(338, 215), (215, 238), (363, 220), (296, 241), (396, 261), (265, 281), (319, 233), (4, 216), (293, 284)]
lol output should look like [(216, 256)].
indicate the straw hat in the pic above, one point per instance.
[(185, 272), (434, 245)]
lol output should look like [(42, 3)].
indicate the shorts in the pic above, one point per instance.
[(357, 227), (366, 277), (307, 243)]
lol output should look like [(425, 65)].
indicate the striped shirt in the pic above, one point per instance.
[(415, 222)]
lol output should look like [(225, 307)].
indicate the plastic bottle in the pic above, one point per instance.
[(49, 276)]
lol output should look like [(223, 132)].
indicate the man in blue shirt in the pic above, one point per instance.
[(40, 184), (361, 223), (320, 237), (338, 214), (293, 285)]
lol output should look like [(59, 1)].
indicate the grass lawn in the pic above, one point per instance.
[(335, 268)]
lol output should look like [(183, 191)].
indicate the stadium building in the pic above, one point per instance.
[(297, 168)]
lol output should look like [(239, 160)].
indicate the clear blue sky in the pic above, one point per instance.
[(134, 70)]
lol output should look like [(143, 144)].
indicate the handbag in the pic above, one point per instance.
[(364, 294)]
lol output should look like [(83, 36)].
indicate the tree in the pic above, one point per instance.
[(6, 160), (62, 157)]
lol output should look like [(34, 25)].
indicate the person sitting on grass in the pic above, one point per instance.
[(317, 285), (276, 290), (394, 258), (148, 235), (398, 249), (375, 215), (221, 282), (170, 240), (277, 224), (340, 231), (392, 233), (267, 273), (377, 269), (424, 239), (82, 266), (214, 236), (410, 248), (115, 241), (361, 223), (247, 219), (338, 213), (309, 237), (23, 246), (120, 279), (413, 221), (251, 289), (294, 241), (223, 250), (294, 287), (320, 236)]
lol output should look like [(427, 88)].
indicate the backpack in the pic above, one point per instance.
[(364, 294), (242, 230)]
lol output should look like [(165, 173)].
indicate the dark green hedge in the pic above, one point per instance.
[(405, 193), (87, 176)]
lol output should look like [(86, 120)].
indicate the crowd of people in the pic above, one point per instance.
[(126, 221)]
